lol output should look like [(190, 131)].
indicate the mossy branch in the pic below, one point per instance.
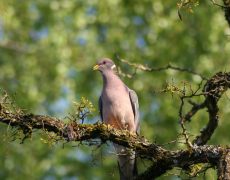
[(163, 159)]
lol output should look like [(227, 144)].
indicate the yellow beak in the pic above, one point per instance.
[(95, 67)]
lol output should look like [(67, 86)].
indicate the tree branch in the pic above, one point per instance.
[(183, 159), (194, 110), (223, 170), (213, 89), (163, 159), (149, 69), (227, 10)]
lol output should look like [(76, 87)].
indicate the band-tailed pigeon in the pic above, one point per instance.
[(119, 107)]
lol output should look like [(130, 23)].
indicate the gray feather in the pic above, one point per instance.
[(100, 107), (135, 106)]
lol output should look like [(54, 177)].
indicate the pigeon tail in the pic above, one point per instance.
[(126, 163)]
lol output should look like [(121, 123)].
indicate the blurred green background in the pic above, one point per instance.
[(48, 49)]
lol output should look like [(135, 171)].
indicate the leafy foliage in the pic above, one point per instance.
[(83, 109)]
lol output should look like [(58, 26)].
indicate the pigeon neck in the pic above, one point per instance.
[(109, 78)]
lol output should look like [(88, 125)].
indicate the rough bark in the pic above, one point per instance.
[(223, 168)]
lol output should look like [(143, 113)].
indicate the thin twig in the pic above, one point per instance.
[(169, 66)]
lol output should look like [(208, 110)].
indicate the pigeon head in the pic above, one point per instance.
[(105, 64)]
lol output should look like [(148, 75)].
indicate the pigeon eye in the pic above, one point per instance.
[(104, 62)]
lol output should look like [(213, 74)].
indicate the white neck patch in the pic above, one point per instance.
[(113, 66)]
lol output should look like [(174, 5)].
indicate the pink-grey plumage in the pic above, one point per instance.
[(119, 107)]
